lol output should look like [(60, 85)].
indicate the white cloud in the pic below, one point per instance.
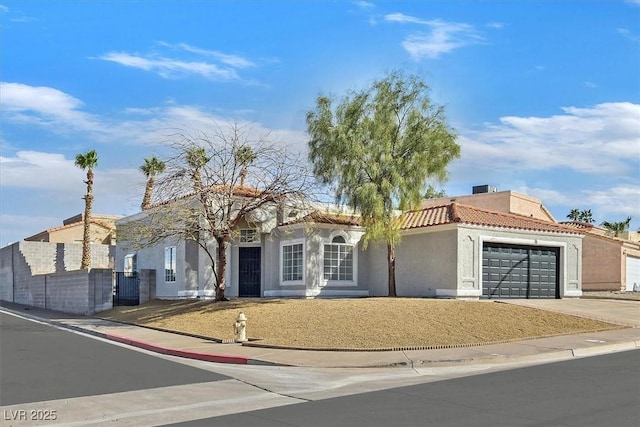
[(364, 4), (43, 106), (192, 60), (590, 85), (171, 68), (28, 168), (496, 25), (610, 204), (235, 61), (628, 34), (61, 113), (599, 140), (403, 19), (442, 37)]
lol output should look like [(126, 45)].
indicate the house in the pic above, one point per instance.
[(486, 245), (101, 228), (609, 263)]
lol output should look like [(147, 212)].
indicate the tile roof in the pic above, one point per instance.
[(578, 224), (319, 217), (238, 191), (71, 225), (463, 214)]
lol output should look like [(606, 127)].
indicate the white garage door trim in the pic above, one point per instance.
[(633, 274)]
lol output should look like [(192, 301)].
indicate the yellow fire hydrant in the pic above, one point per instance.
[(240, 328)]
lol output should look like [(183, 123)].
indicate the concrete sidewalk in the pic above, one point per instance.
[(625, 313)]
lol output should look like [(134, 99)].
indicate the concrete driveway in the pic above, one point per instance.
[(620, 312)]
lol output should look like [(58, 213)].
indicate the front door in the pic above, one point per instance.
[(249, 275)]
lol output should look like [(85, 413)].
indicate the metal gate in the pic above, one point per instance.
[(126, 290)]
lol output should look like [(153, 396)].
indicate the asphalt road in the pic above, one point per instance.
[(595, 391), (81, 381), (39, 362)]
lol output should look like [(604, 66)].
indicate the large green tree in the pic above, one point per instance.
[(377, 148), (150, 168), (87, 161)]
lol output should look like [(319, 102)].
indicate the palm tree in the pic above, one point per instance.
[(574, 215), (150, 169), (617, 227), (244, 156), (87, 162), (586, 216), (196, 159)]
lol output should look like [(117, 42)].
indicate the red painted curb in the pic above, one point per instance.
[(208, 357)]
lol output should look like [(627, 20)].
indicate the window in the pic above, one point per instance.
[(338, 260), (292, 262), (170, 264), (249, 235), (130, 266)]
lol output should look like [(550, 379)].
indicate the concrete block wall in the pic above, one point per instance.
[(48, 275), (22, 261), (68, 292), (6, 273), (101, 289), (147, 285), (79, 292)]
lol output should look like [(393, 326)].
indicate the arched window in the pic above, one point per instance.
[(338, 260)]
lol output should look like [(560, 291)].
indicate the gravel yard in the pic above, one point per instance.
[(365, 323)]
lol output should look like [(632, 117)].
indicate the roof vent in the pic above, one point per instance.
[(478, 189)]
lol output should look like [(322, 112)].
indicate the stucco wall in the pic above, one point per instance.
[(152, 258), (603, 266), (501, 201), (426, 262)]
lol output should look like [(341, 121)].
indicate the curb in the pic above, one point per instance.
[(207, 357)]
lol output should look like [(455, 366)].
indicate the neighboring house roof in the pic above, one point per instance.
[(331, 218), (586, 226), (601, 233), (237, 191), (453, 213), (67, 226)]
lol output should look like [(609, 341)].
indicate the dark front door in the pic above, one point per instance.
[(249, 266)]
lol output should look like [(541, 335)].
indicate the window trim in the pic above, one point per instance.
[(130, 272), (304, 262), (354, 261), (172, 261), (257, 238)]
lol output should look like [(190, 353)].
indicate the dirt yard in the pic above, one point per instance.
[(365, 323)]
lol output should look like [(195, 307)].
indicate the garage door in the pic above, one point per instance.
[(633, 274), (511, 271)]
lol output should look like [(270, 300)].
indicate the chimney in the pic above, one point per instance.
[(479, 189)]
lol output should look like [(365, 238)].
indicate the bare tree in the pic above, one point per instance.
[(205, 196)]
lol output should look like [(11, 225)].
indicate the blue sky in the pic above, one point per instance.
[(545, 96)]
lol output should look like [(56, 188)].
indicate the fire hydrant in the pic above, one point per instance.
[(240, 328)]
